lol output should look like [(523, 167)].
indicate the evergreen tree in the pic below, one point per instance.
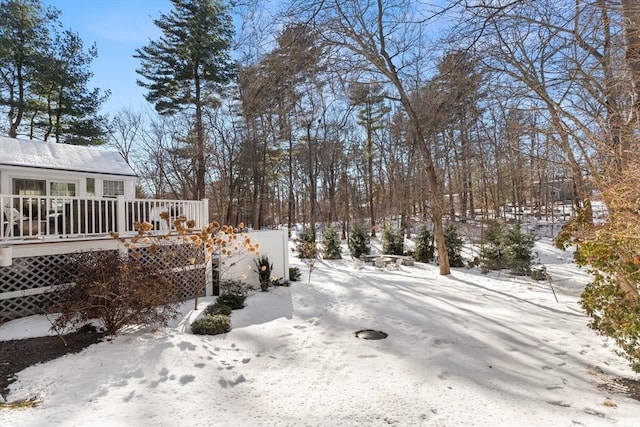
[(331, 243), (70, 110), (371, 98), (508, 248), (306, 244), (454, 246), (44, 75), (519, 250), (392, 241), (492, 254), (358, 242), (188, 66), (424, 246), (25, 40)]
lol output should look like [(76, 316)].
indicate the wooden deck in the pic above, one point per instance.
[(40, 218)]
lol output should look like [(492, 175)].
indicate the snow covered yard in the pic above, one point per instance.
[(467, 349)]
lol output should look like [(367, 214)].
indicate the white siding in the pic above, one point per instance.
[(62, 163)]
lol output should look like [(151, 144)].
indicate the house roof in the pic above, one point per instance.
[(47, 155)]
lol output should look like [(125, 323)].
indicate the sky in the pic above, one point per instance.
[(118, 28), (469, 349)]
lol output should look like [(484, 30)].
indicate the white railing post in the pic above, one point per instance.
[(121, 225), (208, 273)]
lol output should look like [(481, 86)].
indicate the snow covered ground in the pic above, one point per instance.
[(464, 350)]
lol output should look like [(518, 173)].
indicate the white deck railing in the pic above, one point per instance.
[(45, 217)]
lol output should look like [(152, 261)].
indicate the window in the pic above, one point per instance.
[(30, 206), (62, 189), (29, 187), (112, 188), (91, 187)]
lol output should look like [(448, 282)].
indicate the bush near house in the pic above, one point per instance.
[(612, 299), (214, 309), (294, 274), (235, 301), (211, 325), (217, 318), (116, 289), (233, 287)]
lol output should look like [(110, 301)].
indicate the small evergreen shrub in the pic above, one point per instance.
[(294, 274), (234, 301), (235, 287), (392, 241), (331, 243), (279, 281), (507, 249), (211, 325), (425, 249), (492, 254), (454, 246), (306, 244), (358, 242), (519, 250), (214, 309)]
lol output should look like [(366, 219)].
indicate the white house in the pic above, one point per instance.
[(45, 187), (57, 199), (37, 168)]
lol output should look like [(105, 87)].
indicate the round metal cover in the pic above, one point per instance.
[(370, 334)]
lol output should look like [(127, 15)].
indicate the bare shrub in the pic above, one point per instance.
[(116, 289)]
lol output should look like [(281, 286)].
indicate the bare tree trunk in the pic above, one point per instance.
[(291, 206), (201, 168), (369, 153)]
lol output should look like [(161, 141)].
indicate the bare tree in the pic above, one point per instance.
[(385, 38), (125, 130), (567, 55)]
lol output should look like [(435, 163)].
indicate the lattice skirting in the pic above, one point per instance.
[(15, 308), (28, 286)]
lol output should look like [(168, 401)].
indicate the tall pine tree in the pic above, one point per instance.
[(44, 73), (188, 65), (24, 41), (371, 100)]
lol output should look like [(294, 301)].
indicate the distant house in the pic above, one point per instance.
[(36, 168), (555, 190)]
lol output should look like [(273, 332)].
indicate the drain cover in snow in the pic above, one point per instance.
[(370, 334)]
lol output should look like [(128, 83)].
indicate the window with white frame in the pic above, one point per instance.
[(30, 203), (62, 189), (91, 187), (29, 187), (59, 191), (112, 188)]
